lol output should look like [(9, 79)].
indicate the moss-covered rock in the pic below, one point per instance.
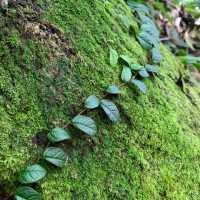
[(49, 64)]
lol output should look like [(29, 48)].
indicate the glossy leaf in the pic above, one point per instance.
[(92, 102), (113, 89), (110, 109), (140, 85), (85, 124), (143, 73), (126, 74), (55, 156), (113, 57), (152, 68), (136, 67), (126, 59), (27, 193), (32, 174), (58, 135)]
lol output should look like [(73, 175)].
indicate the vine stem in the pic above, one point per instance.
[(69, 123)]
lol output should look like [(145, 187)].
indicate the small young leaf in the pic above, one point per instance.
[(156, 55), (126, 59), (113, 89), (55, 156), (27, 193), (110, 109), (85, 124), (136, 67), (32, 174), (143, 73), (126, 74), (152, 68), (113, 57), (92, 102), (58, 135), (139, 84)]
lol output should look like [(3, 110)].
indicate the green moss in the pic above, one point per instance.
[(153, 153)]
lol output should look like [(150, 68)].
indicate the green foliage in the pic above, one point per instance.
[(58, 135), (113, 89), (140, 8), (125, 59), (110, 109), (136, 67), (148, 36), (27, 193), (113, 57), (32, 174), (85, 124), (152, 68), (140, 85), (92, 102), (126, 74), (143, 73), (55, 156)]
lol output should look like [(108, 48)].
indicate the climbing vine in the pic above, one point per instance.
[(132, 75)]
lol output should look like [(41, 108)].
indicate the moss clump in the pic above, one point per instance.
[(153, 153)]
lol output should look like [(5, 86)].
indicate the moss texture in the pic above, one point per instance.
[(152, 154)]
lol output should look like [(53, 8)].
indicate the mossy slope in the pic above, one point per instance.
[(153, 153)]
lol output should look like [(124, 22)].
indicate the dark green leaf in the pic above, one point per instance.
[(59, 134), (113, 57), (27, 193), (110, 109), (140, 8), (152, 68), (92, 102), (32, 174), (140, 85), (136, 67), (145, 40), (113, 89), (143, 73), (55, 156), (126, 59), (156, 56), (86, 124), (126, 74)]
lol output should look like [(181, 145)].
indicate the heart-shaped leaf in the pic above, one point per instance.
[(152, 68), (126, 74), (85, 124), (58, 135), (113, 89), (140, 85), (110, 109), (126, 59), (27, 193), (143, 73), (55, 156), (92, 102), (136, 67), (113, 57), (32, 174)]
